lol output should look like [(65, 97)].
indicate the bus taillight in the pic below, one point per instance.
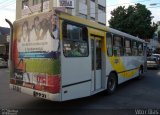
[(49, 83), (53, 85)]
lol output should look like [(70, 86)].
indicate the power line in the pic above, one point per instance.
[(6, 2), (154, 7), (127, 3), (113, 5), (13, 2), (6, 5)]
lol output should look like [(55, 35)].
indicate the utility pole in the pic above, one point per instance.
[(41, 5)]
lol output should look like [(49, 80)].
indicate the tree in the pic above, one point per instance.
[(135, 20)]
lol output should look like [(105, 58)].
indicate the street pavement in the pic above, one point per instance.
[(130, 97)]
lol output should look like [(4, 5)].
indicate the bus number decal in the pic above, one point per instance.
[(37, 94)]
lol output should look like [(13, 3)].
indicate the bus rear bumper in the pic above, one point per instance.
[(36, 93)]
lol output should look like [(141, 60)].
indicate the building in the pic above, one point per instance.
[(4, 45), (90, 9)]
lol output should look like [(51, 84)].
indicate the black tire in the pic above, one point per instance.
[(140, 76), (112, 83)]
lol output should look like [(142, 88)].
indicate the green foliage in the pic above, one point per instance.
[(135, 20)]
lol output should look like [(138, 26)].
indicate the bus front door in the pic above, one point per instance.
[(96, 48)]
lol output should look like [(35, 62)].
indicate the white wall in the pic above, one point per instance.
[(92, 9), (82, 8), (101, 17)]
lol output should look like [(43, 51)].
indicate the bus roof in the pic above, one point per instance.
[(114, 31)]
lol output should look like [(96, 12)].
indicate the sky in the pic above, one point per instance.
[(7, 8)]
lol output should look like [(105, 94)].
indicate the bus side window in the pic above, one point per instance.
[(127, 48), (118, 46), (134, 48), (109, 44), (140, 49), (75, 40)]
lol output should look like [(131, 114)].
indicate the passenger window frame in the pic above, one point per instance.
[(121, 46), (130, 44), (111, 41)]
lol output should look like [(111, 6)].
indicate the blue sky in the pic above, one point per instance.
[(7, 8)]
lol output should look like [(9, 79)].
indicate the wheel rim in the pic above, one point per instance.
[(111, 84)]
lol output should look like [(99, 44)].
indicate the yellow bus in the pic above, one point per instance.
[(59, 57)]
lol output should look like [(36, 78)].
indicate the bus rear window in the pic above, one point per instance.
[(75, 40)]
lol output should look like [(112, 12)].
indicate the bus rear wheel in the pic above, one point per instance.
[(112, 83)]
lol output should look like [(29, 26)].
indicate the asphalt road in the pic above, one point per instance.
[(130, 97)]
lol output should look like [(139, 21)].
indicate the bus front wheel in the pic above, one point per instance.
[(112, 83)]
